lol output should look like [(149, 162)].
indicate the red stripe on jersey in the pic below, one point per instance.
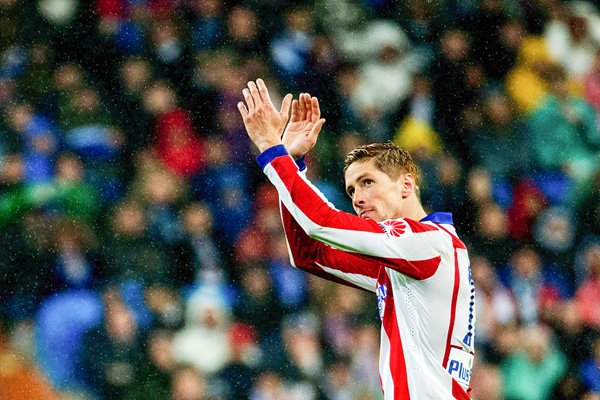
[(458, 392), (313, 206), (351, 263), (306, 251), (330, 277), (419, 227), (397, 363), (416, 269), (456, 242)]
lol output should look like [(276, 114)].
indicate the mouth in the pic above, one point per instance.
[(363, 214)]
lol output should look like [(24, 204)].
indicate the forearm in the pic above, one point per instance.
[(316, 258)]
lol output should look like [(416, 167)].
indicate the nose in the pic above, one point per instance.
[(358, 199)]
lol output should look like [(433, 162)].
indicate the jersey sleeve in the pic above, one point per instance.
[(410, 247), (317, 258)]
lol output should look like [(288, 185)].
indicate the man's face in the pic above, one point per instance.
[(374, 194)]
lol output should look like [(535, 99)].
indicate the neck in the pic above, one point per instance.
[(413, 209)]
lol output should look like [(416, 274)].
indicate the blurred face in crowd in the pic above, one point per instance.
[(483, 274), (455, 45), (596, 351), (592, 261), (129, 219), (256, 282), (86, 101), (269, 386), (479, 185), (242, 24), (120, 323), (197, 219), (159, 99), (492, 221), (499, 110), (512, 34), (570, 316), (208, 8), (187, 384), (299, 20), (12, 169), (7, 91), (536, 342), (19, 116), (161, 188), (448, 171), (69, 168), (135, 74), (68, 78), (486, 382), (159, 349), (526, 263)]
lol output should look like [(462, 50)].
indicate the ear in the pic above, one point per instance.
[(409, 185)]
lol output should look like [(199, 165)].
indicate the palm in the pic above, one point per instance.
[(302, 131)]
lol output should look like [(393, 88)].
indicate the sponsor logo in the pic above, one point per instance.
[(393, 227), (463, 373), (459, 365), (381, 295)]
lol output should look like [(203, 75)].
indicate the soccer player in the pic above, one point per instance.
[(414, 263)]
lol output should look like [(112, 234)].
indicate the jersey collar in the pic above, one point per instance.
[(439, 218)]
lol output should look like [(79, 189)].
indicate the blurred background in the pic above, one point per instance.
[(141, 252)]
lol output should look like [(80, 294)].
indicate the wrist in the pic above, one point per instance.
[(262, 146)]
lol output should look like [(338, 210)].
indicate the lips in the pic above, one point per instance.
[(363, 214)]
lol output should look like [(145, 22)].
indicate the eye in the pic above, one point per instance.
[(368, 181), (350, 192)]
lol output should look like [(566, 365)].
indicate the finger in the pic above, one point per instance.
[(249, 99), (262, 89), (243, 110), (294, 117), (254, 93), (302, 108), (308, 107), (316, 109), (285, 106)]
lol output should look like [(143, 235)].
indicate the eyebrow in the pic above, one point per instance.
[(360, 177)]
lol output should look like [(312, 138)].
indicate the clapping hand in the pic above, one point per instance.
[(301, 133), (263, 122)]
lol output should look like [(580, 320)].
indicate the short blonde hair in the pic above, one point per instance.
[(387, 157)]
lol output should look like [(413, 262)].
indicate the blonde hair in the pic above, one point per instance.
[(387, 157)]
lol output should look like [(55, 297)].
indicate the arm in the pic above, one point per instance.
[(414, 252), (324, 261), (308, 254), (414, 249)]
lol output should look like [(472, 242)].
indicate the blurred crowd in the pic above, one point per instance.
[(141, 252)]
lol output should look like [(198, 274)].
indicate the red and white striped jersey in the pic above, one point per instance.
[(419, 271)]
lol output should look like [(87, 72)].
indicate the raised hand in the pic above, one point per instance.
[(263, 122), (301, 133)]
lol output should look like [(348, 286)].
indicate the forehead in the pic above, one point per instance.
[(360, 168)]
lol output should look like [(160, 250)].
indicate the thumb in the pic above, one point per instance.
[(285, 106), (316, 129)]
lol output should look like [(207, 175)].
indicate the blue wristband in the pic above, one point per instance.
[(270, 154)]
